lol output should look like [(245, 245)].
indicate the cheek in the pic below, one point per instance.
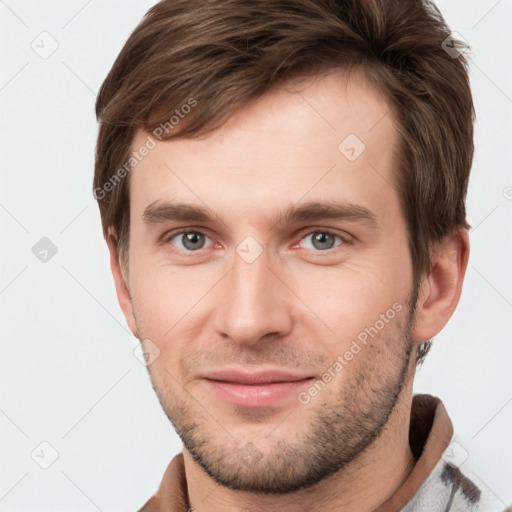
[(167, 303), (344, 301)]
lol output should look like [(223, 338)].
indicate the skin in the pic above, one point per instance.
[(297, 306)]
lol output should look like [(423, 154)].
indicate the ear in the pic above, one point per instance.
[(440, 290), (122, 290)]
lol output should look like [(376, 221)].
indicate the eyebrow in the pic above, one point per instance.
[(162, 211)]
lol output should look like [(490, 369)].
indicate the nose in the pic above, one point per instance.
[(253, 302)]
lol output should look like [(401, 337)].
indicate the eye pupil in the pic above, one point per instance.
[(192, 238), (322, 238)]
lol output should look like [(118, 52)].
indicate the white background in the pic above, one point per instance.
[(68, 375)]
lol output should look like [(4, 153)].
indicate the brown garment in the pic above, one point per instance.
[(430, 433)]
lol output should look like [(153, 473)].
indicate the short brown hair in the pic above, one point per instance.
[(223, 53)]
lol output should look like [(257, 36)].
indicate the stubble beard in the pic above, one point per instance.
[(346, 422)]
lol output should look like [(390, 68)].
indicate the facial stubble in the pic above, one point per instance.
[(347, 420)]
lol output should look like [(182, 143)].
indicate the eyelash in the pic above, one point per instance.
[(344, 240)]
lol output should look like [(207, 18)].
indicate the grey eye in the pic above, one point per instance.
[(322, 240), (190, 240)]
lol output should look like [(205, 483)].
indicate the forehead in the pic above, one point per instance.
[(324, 139)]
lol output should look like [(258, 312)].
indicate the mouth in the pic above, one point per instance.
[(257, 389)]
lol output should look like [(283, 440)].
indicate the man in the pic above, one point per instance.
[(282, 190)]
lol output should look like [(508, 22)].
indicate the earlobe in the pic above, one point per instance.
[(122, 290), (440, 290)]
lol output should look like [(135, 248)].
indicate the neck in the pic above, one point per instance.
[(372, 478)]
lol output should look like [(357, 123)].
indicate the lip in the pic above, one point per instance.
[(254, 389)]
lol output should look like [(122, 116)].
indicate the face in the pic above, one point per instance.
[(269, 265)]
